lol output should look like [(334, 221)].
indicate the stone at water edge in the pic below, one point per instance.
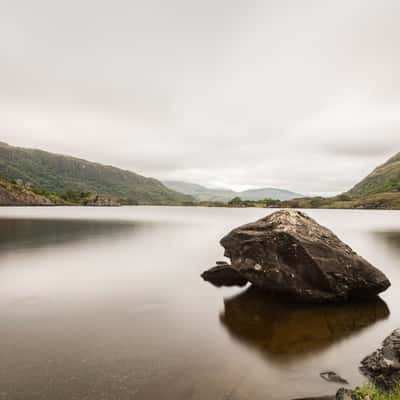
[(290, 254), (223, 275), (341, 394), (383, 366)]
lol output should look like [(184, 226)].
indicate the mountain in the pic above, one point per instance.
[(268, 193), (56, 173), (202, 193), (12, 194), (383, 179)]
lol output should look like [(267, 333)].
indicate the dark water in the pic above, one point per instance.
[(108, 304)]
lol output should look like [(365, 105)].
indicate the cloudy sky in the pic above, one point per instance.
[(298, 94)]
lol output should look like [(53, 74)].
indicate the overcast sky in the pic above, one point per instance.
[(303, 95)]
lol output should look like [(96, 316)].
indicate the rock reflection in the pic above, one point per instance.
[(390, 238), (286, 331)]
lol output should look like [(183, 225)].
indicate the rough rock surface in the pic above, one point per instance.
[(223, 275), (383, 366), (288, 253), (15, 195)]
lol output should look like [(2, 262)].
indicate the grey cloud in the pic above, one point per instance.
[(303, 95)]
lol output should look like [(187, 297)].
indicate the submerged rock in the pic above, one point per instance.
[(331, 376), (383, 366), (223, 275), (341, 394), (288, 253)]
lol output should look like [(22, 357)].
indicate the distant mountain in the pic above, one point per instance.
[(202, 193), (57, 173), (199, 192), (383, 179), (268, 193)]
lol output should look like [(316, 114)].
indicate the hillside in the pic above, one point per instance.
[(383, 179), (202, 193), (57, 173), (15, 195)]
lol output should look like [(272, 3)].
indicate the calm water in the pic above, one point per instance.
[(107, 303)]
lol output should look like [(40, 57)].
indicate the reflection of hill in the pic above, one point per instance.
[(287, 331), (390, 238), (36, 233)]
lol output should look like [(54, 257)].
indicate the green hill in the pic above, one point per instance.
[(56, 173), (202, 193), (383, 179)]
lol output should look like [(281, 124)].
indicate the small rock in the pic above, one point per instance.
[(345, 394), (331, 376), (223, 275), (341, 394)]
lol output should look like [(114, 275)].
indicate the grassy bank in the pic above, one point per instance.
[(368, 392)]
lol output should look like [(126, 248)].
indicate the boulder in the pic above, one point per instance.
[(289, 254), (383, 366)]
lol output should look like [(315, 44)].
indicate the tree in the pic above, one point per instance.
[(236, 201)]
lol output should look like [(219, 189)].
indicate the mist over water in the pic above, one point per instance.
[(108, 303)]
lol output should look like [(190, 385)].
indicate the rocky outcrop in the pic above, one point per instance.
[(16, 195), (383, 366), (289, 254), (101, 201)]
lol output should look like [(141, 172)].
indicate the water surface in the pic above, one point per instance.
[(107, 303)]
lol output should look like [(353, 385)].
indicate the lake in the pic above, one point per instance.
[(108, 303)]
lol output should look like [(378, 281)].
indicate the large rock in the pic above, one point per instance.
[(290, 254), (383, 366)]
